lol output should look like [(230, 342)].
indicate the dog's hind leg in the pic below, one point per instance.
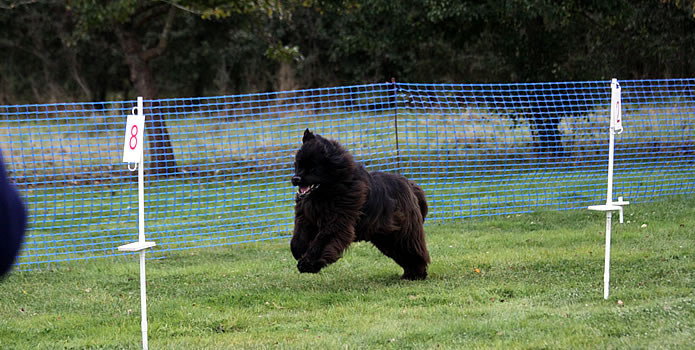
[(410, 254)]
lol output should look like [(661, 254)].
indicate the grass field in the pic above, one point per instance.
[(518, 281)]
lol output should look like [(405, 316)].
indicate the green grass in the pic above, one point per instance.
[(519, 281)]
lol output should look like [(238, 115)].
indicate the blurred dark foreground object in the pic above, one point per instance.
[(13, 220)]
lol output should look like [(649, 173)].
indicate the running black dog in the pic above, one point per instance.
[(339, 202)]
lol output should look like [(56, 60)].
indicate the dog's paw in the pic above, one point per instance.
[(308, 266), (414, 275)]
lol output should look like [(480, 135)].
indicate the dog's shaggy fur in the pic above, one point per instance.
[(338, 202)]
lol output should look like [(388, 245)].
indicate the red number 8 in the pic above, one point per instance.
[(133, 136)]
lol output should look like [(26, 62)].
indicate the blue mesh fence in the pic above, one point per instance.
[(512, 148), (217, 169)]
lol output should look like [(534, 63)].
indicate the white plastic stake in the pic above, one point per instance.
[(607, 257), (133, 153), (616, 127), (616, 107)]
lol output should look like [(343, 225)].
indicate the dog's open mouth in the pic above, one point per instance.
[(304, 191)]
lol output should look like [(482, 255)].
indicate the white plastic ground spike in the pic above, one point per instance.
[(616, 127), (133, 153)]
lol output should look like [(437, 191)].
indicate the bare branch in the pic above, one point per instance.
[(183, 8), (163, 38), (8, 5), (37, 53)]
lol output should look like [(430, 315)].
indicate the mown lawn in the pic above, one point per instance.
[(520, 281)]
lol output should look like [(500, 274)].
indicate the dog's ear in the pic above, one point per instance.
[(308, 135)]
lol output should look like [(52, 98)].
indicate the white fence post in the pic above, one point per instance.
[(616, 127), (133, 153)]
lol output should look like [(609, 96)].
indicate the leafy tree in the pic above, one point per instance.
[(142, 30), (42, 62), (123, 19), (83, 48)]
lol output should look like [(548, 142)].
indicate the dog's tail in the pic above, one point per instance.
[(421, 201)]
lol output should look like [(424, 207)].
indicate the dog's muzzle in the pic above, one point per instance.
[(304, 191)]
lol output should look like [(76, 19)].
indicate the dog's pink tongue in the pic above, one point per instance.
[(304, 189)]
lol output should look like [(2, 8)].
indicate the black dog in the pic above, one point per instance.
[(338, 202)]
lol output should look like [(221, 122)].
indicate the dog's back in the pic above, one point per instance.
[(393, 202)]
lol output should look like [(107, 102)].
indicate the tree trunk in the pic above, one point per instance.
[(162, 160)]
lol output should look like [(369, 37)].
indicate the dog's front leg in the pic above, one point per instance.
[(303, 234), (326, 248)]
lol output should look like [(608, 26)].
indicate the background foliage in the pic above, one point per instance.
[(105, 50)]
